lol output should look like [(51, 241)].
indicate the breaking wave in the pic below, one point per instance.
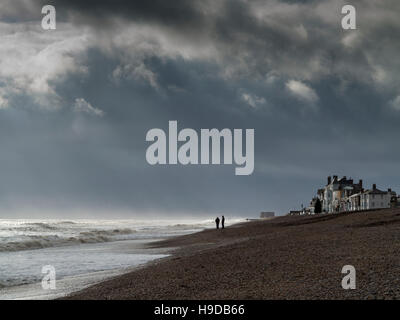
[(17, 235), (39, 225), (45, 241)]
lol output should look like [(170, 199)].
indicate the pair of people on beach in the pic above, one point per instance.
[(222, 222)]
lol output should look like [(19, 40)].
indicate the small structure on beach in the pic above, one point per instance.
[(266, 214)]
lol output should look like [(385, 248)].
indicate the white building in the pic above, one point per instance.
[(336, 194), (355, 202), (375, 198), (343, 195)]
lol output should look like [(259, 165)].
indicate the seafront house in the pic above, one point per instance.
[(375, 198), (343, 195), (335, 195)]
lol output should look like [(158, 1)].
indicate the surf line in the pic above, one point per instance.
[(188, 152)]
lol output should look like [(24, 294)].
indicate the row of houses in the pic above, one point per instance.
[(343, 195)]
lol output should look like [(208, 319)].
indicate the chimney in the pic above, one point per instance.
[(329, 180), (360, 183), (344, 178), (334, 178), (374, 186), (390, 190)]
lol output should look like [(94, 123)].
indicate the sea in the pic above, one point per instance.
[(80, 252)]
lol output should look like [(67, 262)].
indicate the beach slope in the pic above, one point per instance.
[(281, 258)]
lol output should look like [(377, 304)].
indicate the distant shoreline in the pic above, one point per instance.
[(282, 258)]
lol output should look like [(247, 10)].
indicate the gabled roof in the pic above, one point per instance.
[(375, 191)]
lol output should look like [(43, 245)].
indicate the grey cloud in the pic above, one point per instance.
[(81, 105), (297, 39), (205, 65)]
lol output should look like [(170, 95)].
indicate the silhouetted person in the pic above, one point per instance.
[(217, 222), (223, 222)]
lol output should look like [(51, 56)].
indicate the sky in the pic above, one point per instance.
[(76, 103)]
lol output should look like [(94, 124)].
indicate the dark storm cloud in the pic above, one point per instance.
[(321, 100), (258, 35), (178, 12)]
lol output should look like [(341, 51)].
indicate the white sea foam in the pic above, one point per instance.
[(16, 235), (80, 250)]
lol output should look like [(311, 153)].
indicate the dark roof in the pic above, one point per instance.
[(375, 191)]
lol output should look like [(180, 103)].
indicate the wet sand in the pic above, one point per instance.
[(281, 258)]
